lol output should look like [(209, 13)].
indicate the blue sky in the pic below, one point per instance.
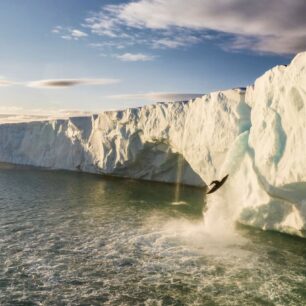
[(96, 55)]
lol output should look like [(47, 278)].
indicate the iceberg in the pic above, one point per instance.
[(257, 135)]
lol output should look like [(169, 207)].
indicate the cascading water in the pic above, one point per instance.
[(222, 208)]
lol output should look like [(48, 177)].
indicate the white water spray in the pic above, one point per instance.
[(222, 209)]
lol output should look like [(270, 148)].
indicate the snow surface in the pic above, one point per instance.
[(257, 135)]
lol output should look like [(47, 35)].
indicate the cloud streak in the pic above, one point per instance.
[(135, 57), (13, 114), (6, 83), (68, 33), (276, 26), (77, 33), (157, 96), (64, 83), (61, 83)]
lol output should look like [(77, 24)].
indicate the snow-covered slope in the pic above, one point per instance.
[(257, 135)]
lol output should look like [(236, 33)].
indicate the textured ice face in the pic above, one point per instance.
[(257, 136), (277, 147), (278, 123)]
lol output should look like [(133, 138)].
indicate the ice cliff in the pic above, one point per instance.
[(257, 135)]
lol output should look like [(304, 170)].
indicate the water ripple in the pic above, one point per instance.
[(73, 239)]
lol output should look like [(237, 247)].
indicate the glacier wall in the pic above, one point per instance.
[(257, 135), (277, 145), (166, 142)]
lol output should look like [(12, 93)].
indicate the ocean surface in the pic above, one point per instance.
[(78, 239)]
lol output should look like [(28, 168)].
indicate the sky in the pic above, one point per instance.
[(95, 55)]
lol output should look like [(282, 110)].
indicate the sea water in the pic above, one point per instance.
[(78, 239)]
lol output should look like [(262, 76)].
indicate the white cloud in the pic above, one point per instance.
[(68, 33), (66, 37), (14, 114), (166, 42), (78, 34), (108, 45), (63, 83), (175, 42), (57, 29), (277, 26), (102, 25), (157, 96), (135, 57), (10, 109), (5, 83)]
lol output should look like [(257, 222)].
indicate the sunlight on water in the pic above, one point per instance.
[(75, 239), (178, 179)]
